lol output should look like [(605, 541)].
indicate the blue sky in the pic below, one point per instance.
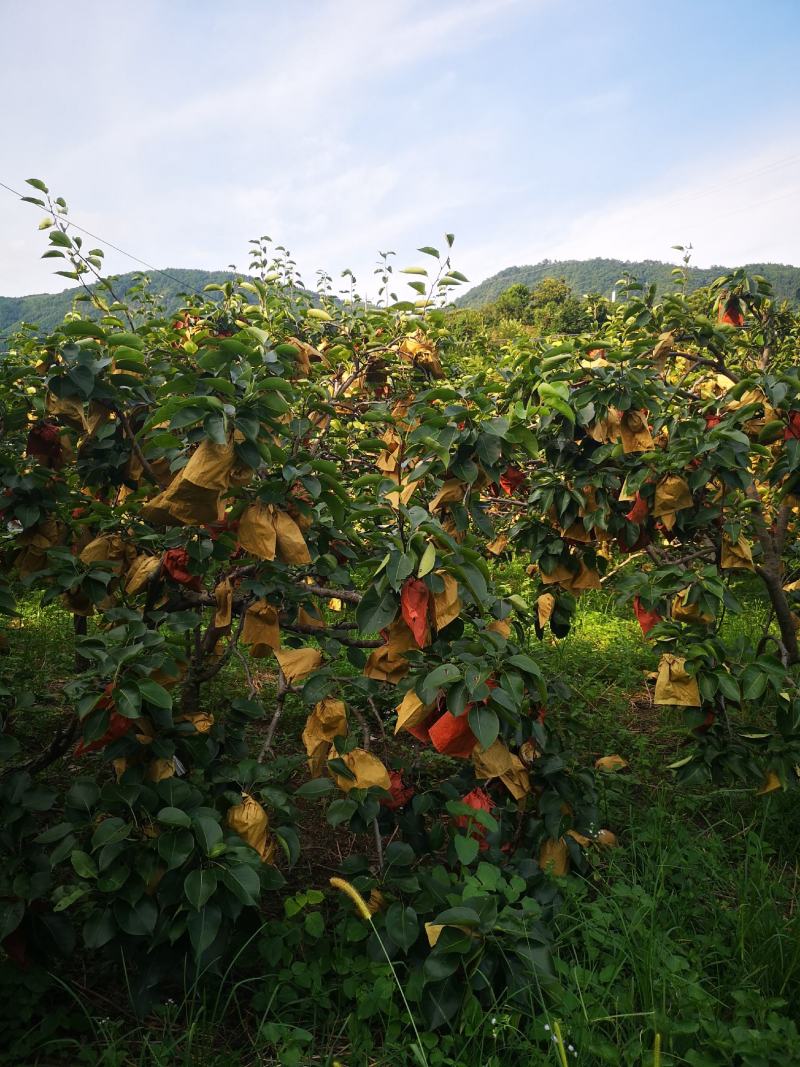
[(529, 128)]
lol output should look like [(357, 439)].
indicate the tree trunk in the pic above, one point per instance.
[(79, 628), (772, 580)]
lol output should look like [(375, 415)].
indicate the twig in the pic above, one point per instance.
[(148, 470), (378, 843), (55, 750), (364, 728), (378, 718), (318, 631), (350, 596), (280, 697), (252, 688)]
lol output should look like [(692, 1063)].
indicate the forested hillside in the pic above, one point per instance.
[(601, 276), (47, 310)]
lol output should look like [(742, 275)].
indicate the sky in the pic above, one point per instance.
[(179, 129)]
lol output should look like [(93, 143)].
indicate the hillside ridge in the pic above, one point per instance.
[(47, 310), (601, 275)]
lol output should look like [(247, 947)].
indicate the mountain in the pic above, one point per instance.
[(602, 275), (47, 310)]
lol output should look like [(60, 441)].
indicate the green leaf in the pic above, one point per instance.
[(155, 694), (198, 886), (109, 832), (207, 831), (99, 929), (12, 913), (376, 610), (525, 663), (174, 817), (244, 883), (83, 864), (458, 916), (485, 724), (402, 925), (466, 848), (175, 847), (317, 787), (69, 897), (754, 683), (340, 811), (314, 924), (428, 561), (37, 183), (128, 700), (443, 675), (728, 686), (203, 927)]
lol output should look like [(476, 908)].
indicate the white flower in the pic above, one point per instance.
[(547, 1026)]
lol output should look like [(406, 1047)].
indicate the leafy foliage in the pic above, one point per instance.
[(602, 276), (324, 487)]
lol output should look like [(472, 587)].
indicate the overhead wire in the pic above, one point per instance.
[(110, 244)]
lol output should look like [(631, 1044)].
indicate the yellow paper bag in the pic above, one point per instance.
[(737, 556), (411, 712), (257, 533), (433, 931), (202, 721), (562, 573), (544, 608), (251, 823), (636, 436), (261, 630), (159, 769), (387, 663), (314, 621), (452, 492), (554, 856), (447, 604), (683, 612), (141, 571), (586, 578), (672, 494), (223, 598), (498, 545), (326, 721), (111, 549), (193, 497), (291, 546), (609, 764), (608, 430), (368, 771), (498, 762), (674, 685), (771, 783), (298, 663)]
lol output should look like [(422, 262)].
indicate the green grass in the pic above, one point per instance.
[(688, 929)]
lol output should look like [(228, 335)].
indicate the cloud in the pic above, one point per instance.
[(733, 208), (316, 143), (353, 126)]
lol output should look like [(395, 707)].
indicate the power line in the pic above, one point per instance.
[(110, 244)]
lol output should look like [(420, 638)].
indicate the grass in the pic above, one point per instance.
[(689, 929)]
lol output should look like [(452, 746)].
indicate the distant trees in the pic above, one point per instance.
[(550, 307)]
